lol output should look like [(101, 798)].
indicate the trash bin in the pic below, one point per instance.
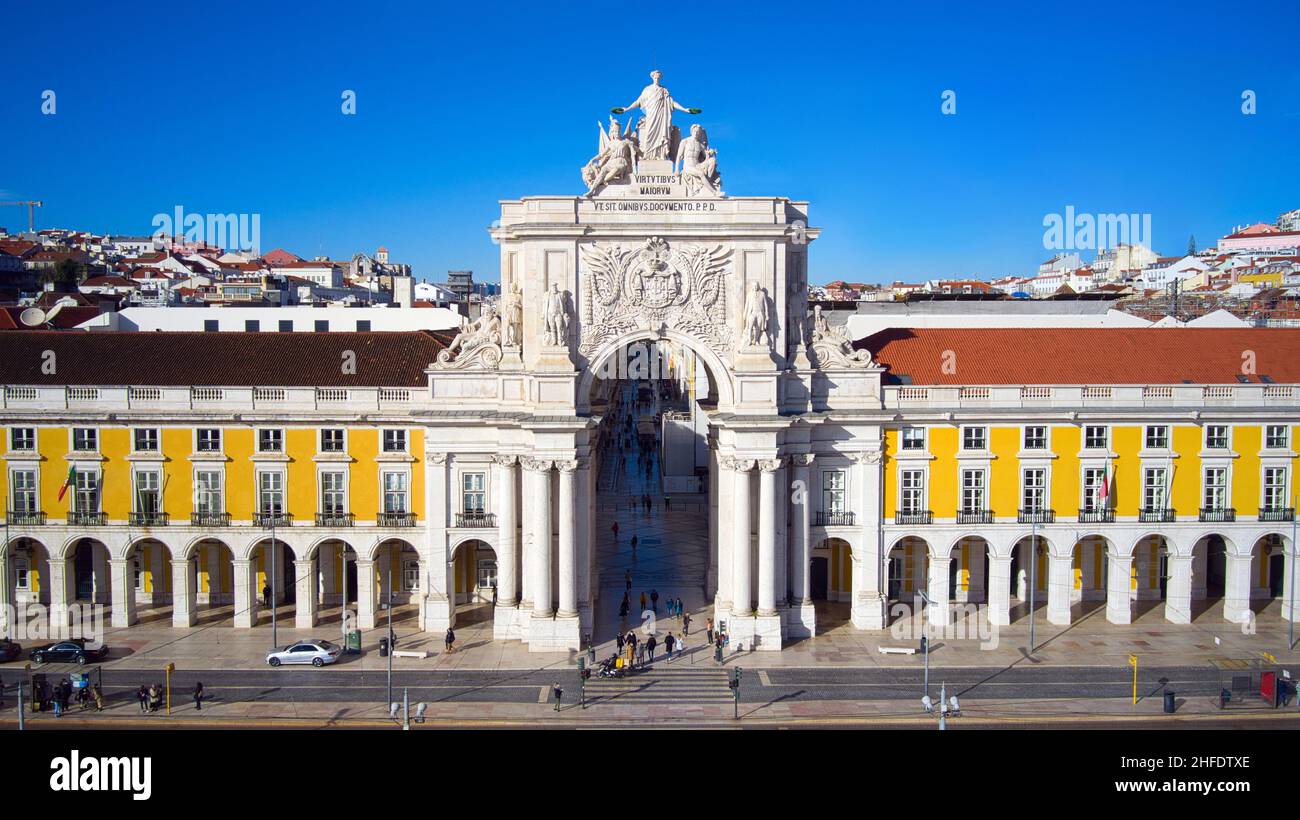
[(383, 647), (1169, 702), (353, 642)]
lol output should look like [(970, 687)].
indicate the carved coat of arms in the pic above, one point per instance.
[(678, 287)]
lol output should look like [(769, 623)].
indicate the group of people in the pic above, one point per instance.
[(59, 696), (636, 652), (151, 697)]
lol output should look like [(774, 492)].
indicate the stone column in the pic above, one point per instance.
[(1119, 588), (800, 580), (767, 536), (184, 592), (1178, 591), (939, 611), (7, 595), (246, 592), (724, 535), (1290, 609), (539, 494), (1236, 590), (305, 594), (715, 477), (122, 585), (568, 545), (436, 596), (869, 607), (999, 590), (365, 593), (507, 521), (741, 588), (1060, 571)]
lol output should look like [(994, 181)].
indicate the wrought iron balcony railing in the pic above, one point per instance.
[(834, 519), (334, 519), (914, 517), (974, 516), (272, 519), (1277, 514), (1036, 516), (152, 518), (25, 517), (1096, 515), (82, 518), (1156, 515), (476, 518), (1218, 514), (404, 519), (209, 519)]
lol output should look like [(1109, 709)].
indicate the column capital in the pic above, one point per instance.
[(867, 456), (536, 465), (770, 465), (505, 460), (801, 459), (739, 465), (569, 466)]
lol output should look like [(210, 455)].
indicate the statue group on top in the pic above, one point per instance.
[(654, 138)]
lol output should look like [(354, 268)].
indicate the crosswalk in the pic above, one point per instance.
[(662, 683)]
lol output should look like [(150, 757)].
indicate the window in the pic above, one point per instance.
[(331, 440), (270, 441), (137, 574), (145, 439), (207, 492), (974, 438), (1216, 488), (85, 498), (21, 575), (363, 325), (1034, 490), (24, 491), (1275, 495), (270, 493), (85, 439), (209, 440), (972, 491), (1275, 437), (394, 441), (472, 495), (395, 493), (913, 438), (332, 499), (1157, 437), (1093, 478), (210, 326), (22, 438), (1036, 438), (410, 576), (252, 325), (147, 484), (833, 492), (913, 487), (1154, 489), (286, 325), (1216, 437), (1094, 437), (322, 325)]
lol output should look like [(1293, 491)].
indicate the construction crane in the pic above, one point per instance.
[(32, 205)]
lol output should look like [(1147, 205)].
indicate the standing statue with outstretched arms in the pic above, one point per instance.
[(655, 133)]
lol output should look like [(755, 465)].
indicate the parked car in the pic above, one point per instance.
[(9, 651), (316, 652), (73, 650)]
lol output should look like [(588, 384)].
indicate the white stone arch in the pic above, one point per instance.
[(19, 538), (998, 545), (894, 544), (310, 551), (294, 543), (191, 548), (131, 542), (1176, 547), (485, 538), (67, 550), (372, 552), (1230, 545), (716, 366), (1257, 535)]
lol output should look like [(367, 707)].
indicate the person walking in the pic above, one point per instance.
[(60, 702), (558, 694), (198, 696), (634, 546), (643, 600), (669, 643), (266, 596), (708, 629), (450, 640), (627, 577), (640, 653), (668, 502), (622, 609), (654, 600), (650, 648), (615, 529), (98, 697), (619, 640), (142, 695), (686, 623)]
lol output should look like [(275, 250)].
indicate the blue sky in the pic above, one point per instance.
[(235, 108)]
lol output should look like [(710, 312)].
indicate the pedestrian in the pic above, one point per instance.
[(668, 502), (60, 702), (669, 643), (620, 640), (99, 698), (198, 696), (450, 640), (266, 596), (650, 648), (686, 624), (681, 646), (142, 695), (654, 600), (622, 609), (627, 576), (615, 529), (634, 546), (558, 693), (708, 629), (643, 600), (640, 654), (155, 697)]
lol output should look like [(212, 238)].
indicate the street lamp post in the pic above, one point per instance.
[(390, 629), (1033, 578), (275, 592), (1290, 623), (925, 643)]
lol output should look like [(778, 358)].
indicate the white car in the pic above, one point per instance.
[(315, 652)]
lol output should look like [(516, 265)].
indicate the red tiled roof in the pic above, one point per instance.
[(1084, 356), (393, 359)]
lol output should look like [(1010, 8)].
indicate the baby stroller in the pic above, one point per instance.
[(609, 668)]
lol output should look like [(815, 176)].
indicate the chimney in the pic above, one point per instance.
[(403, 289)]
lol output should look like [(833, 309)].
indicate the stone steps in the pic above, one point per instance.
[(662, 683)]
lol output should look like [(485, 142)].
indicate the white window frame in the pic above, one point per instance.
[(136, 497), (320, 441), (984, 445), (94, 476), (983, 489), (903, 489), (410, 575), (1146, 436), (1147, 486), (838, 495), (14, 446), (201, 493), (1286, 437), (1285, 496), (35, 490), (221, 441), (1105, 433), (383, 440), (280, 433), (1227, 437), (343, 490), (22, 574), (1227, 487), (283, 491), (1043, 487), (903, 439), (72, 440), (1088, 495), (135, 441), (465, 492), (406, 491), (1047, 437)]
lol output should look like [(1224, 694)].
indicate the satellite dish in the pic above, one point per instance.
[(32, 317), (49, 317)]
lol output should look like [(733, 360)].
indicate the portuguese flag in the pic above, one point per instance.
[(67, 482), (1103, 492)]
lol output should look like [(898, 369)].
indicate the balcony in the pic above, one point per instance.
[(15, 517), (476, 518), (81, 518), (209, 519), (151, 518), (1277, 514), (834, 519), (974, 516), (1156, 516), (1096, 515), (1218, 514), (334, 519), (272, 519), (1036, 516), (913, 517), (396, 519)]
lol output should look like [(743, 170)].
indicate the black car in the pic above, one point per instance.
[(9, 651), (73, 650)]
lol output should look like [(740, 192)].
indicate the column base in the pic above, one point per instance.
[(1237, 613), (183, 619), (1058, 617), (304, 620), (509, 622), (1122, 614), (1178, 614), (869, 611), (439, 615), (554, 634), (748, 633), (801, 621)]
